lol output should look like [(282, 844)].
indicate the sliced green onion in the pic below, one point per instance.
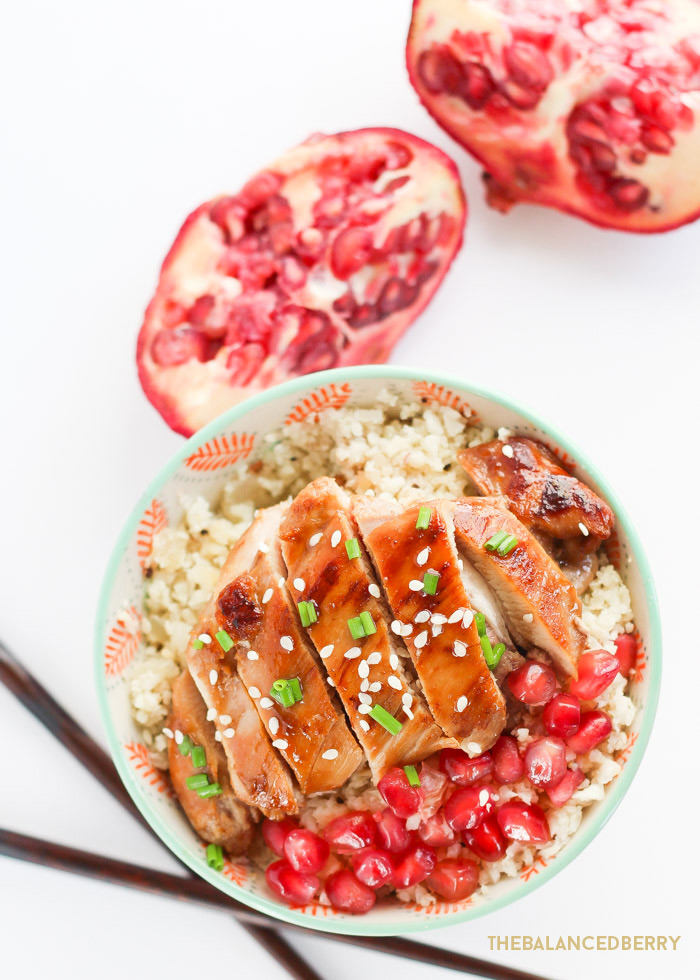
[(295, 687), (352, 547), (507, 545), (185, 746), (197, 781), (412, 775), (213, 789), (356, 627), (423, 522), (197, 644), (487, 650), (198, 756), (367, 623), (311, 609), (281, 691), (215, 857), (498, 652), (383, 718), (225, 640), (430, 583), (303, 608), (494, 541), (480, 621)]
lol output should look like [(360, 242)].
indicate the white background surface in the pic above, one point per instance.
[(117, 119)]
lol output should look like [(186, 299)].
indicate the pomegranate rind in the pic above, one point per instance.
[(192, 393), (526, 152)]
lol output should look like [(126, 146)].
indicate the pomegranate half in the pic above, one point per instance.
[(589, 106), (321, 260)]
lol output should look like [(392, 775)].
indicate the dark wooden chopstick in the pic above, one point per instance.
[(49, 712)]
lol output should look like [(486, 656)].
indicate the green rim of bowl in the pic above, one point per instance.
[(589, 829)]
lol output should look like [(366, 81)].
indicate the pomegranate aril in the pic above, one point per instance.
[(436, 831), (508, 767), (396, 295), (486, 840), (454, 879), (259, 189), (533, 683), (347, 894), (626, 653), (478, 85), (656, 139), (463, 770), (440, 71), (373, 868), (414, 865), (392, 832), (398, 794), (305, 850), (178, 346), (566, 787), (351, 832), (363, 315), (524, 822), (528, 66), (398, 155), (629, 195), (433, 785), (295, 887), (596, 671), (468, 807), (351, 250), (275, 833), (521, 98), (561, 715), (545, 761), (594, 728)]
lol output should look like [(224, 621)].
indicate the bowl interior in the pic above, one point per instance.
[(202, 467)]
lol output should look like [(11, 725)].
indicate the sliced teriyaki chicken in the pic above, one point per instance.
[(367, 671), (547, 499), (539, 604), (256, 610), (258, 776), (221, 819), (439, 630)]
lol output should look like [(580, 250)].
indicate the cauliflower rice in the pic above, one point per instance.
[(403, 451)]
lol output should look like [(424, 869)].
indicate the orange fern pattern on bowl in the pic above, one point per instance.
[(154, 520), (438, 908), (567, 461), (122, 642), (440, 395), (316, 910), (533, 869), (221, 452), (625, 754), (332, 396), (614, 550), (137, 754)]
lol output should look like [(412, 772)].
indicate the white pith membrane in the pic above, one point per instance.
[(321, 260), (587, 106), (403, 452)]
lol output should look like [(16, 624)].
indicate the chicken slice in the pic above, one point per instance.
[(256, 610), (222, 819), (443, 641), (547, 499), (366, 672), (540, 605)]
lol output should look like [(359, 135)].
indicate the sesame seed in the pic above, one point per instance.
[(393, 681), (267, 703), (422, 556), (326, 651), (281, 582), (393, 661), (415, 586), (286, 643), (438, 619), (211, 714), (352, 653), (421, 640), (254, 692), (461, 704), (528, 618), (264, 548), (252, 655), (483, 797), (330, 754), (406, 629), (299, 584), (213, 677), (217, 736), (437, 630), (375, 687), (281, 743), (363, 668), (422, 617), (364, 709), (314, 539), (225, 719), (205, 638), (583, 529), (407, 699), (179, 737), (364, 725), (364, 698), (507, 451), (396, 627), (460, 564), (168, 732), (274, 725), (335, 539), (229, 732), (474, 748), (267, 596), (364, 686), (374, 590), (468, 619), (329, 680), (456, 616), (407, 711), (374, 658), (459, 649)]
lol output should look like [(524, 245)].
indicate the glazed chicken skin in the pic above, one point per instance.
[(221, 819), (439, 630), (542, 495)]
